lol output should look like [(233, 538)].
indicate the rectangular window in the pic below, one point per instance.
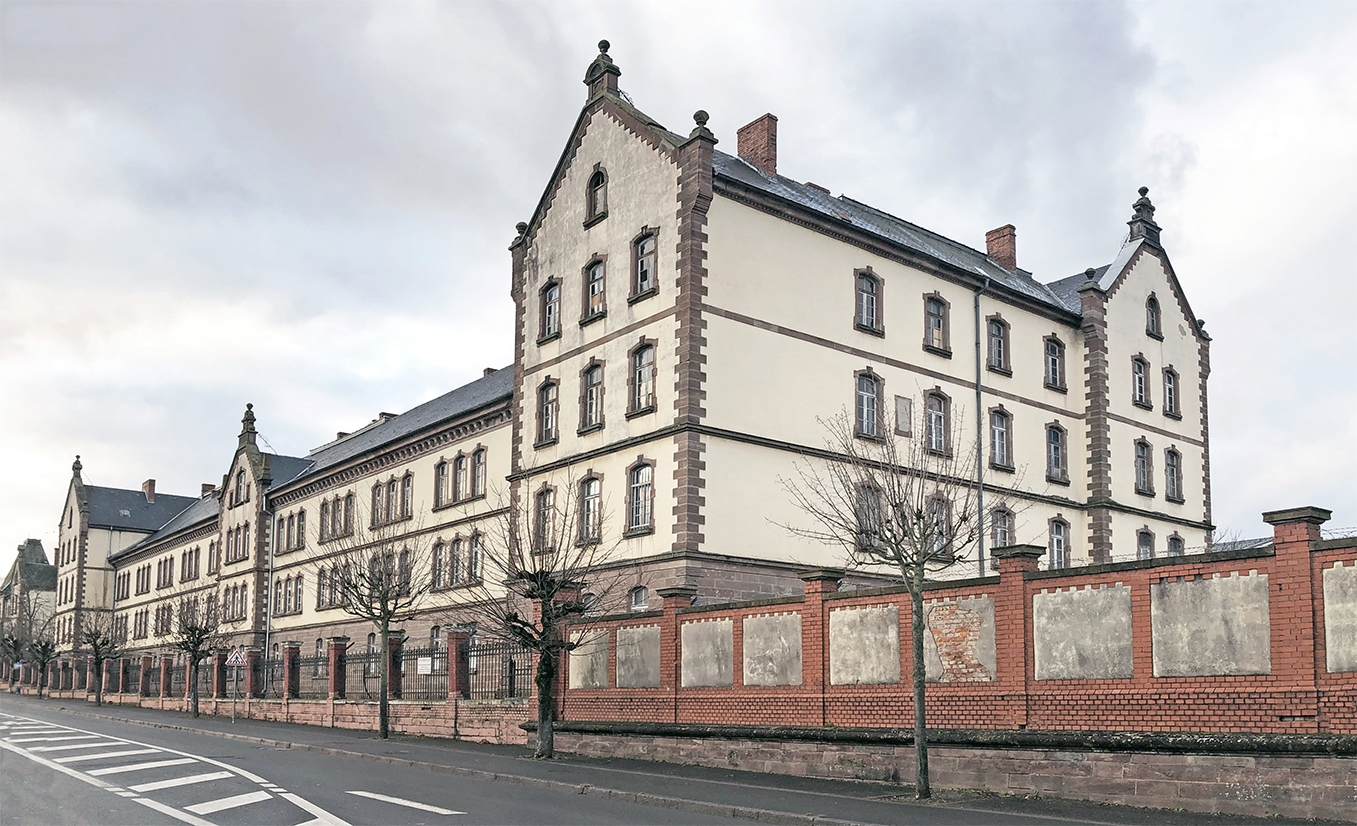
[(1144, 545), (645, 266), (935, 325), (868, 413), (592, 408), (1001, 533), (595, 294), (998, 346), (1055, 364), (440, 484), (591, 510), (999, 438), (1144, 469), (1055, 455), (904, 415), (1173, 475), (868, 303), (460, 475), (1140, 391), (1170, 393), (407, 501), (546, 413), (643, 379), (544, 534), (1059, 545), (478, 473), (936, 423), (551, 310), (639, 512)]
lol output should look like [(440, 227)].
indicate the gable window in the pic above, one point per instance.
[(937, 422), (937, 328), (1059, 547), (868, 316), (591, 509), (997, 348), (591, 401), (1001, 528), (1175, 545), (1056, 470), (644, 280), (867, 405), (544, 520), (478, 472), (1055, 364), (640, 506), (642, 380), (595, 292), (1171, 393), (547, 402), (1153, 327), (1001, 439), (1140, 386), (550, 311), (596, 198), (1173, 475), (1144, 545), (1144, 468)]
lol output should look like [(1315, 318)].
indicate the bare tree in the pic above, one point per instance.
[(104, 643), (42, 649), (902, 506), (381, 575), (547, 569), (32, 625), (12, 648), (197, 633)]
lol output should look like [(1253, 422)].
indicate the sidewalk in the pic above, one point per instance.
[(749, 795)]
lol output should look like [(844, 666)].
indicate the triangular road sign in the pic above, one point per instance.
[(237, 658)]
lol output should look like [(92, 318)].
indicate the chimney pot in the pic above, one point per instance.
[(1002, 245), (148, 488), (757, 143)]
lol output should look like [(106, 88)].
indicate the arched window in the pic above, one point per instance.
[(547, 401), (1140, 385), (440, 484), (595, 291), (644, 279), (1175, 545), (638, 598), (405, 571), (591, 509), (459, 478), (642, 379), (392, 504), (591, 403), (240, 487), (407, 496), (291, 532), (455, 561), (473, 560), (287, 595), (1001, 439), (597, 198), (550, 311), (324, 521), (640, 490), (1001, 528), (867, 405), (1144, 468), (378, 506), (278, 596), (1171, 392), (322, 580), (297, 595), (1152, 321), (1056, 470), (868, 317), (436, 566), (937, 423), (544, 518), (1055, 363), (1173, 475), (1144, 545), (1059, 544), (937, 329), (348, 514), (997, 348), (478, 472)]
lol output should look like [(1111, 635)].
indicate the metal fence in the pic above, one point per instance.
[(424, 673), (178, 677), (362, 675), (80, 677), (150, 680), (314, 677), (499, 671)]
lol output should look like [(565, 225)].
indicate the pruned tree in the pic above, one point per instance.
[(104, 642), (32, 623), (42, 650), (381, 575), (197, 633), (13, 648), (545, 570), (896, 505)]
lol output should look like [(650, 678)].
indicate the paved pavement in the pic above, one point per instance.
[(166, 767)]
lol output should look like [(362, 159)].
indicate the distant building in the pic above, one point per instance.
[(27, 593)]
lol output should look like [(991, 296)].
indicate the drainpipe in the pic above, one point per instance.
[(268, 586), (979, 444)]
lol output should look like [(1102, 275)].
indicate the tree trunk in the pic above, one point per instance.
[(193, 688), (546, 709), (383, 725), (922, 791), (99, 682)]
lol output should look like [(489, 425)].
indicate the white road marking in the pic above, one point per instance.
[(188, 780), (106, 755), (93, 781), (53, 739), (228, 803), (410, 803), (136, 767), (173, 812), (323, 818), (77, 746)]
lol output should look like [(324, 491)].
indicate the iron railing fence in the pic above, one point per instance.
[(424, 673), (81, 677), (151, 680), (499, 670), (363, 675), (313, 677)]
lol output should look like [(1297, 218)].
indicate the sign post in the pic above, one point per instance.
[(237, 659)]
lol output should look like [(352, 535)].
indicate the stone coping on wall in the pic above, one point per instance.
[(1334, 544), (1330, 745), (1157, 562)]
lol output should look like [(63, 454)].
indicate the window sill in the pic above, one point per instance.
[(1003, 371), (456, 502), (937, 351), (596, 218), (1062, 479), (1154, 335), (868, 437), (336, 537), (1003, 468), (934, 452), (545, 443), (550, 337), (632, 533), (1177, 500), (593, 428), (1149, 493), (639, 297), (879, 332), (590, 319), (644, 411), (1059, 388), (1142, 405), (1172, 415)]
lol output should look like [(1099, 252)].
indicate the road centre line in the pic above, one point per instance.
[(399, 801), (173, 782), (105, 755), (136, 767), (228, 803)]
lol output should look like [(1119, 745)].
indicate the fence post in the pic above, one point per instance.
[(395, 646), (1293, 617), (253, 684), (679, 596), (1013, 624), (167, 675), (815, 631), (292, 675), (144, 677), (459, 665), (338, 666), (89, 673)]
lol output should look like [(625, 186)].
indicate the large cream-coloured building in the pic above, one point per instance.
[(685, 321)]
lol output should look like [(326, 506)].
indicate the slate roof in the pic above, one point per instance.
[(887, 227), (284, 469), (1067, 289), (201, 511), (107, 507)]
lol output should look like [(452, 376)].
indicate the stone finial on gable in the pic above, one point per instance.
[(247, 431), (1142, 218), (602, 74), (700, 117), (76, 467)]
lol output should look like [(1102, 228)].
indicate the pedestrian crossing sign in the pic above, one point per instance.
[(236, 658)]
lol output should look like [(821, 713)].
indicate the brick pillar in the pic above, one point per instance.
[(292, 673), (53, 676), (67, 675), (815, 633), (254, 686), (107, 676), (459, 665), (1013, 626), (167, 676), (219, 681), (125, 675), (679, 596), (338, 651), (89, 675), (1292, 605), (395, 647), (144, 677)]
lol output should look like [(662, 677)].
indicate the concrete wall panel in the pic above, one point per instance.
[(864, 645), (638, 657), (959, 645), (772, 650), (708, 653), (1082, 634), (589, 662), (1340, 617), (1211, 627)]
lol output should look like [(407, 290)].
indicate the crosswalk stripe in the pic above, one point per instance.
[(228, 803), (400, 801), (136, 767), (180, 781), (105, 755), (55, 739), (105, 744), (173, 812)]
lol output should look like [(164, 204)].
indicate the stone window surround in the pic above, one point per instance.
[(1144, 531), (1154, 318), (633, 295), (453, 550), (878, 329), (1005, 365), (943, 348), (1063, 386), (632, 409), (1171, 375), (995, 514), (880, 384), (592, 211), (585, 425), (1175, 468), (1146, 403), (587, 317), (542, 335), (541, 542), (543, 438), (1057, 475), (406, 511), (1058, 519), (581, 538), (946, 450), (649, 528), (448, 498), (1148, 488), (345, 505), (1010, 467)]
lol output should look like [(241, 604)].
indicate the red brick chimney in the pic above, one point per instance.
[(489, 371), (1002, 245), (206, 488), (148, 488), (757, 143)]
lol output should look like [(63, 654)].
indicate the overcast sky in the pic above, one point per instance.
[(307, 206)]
